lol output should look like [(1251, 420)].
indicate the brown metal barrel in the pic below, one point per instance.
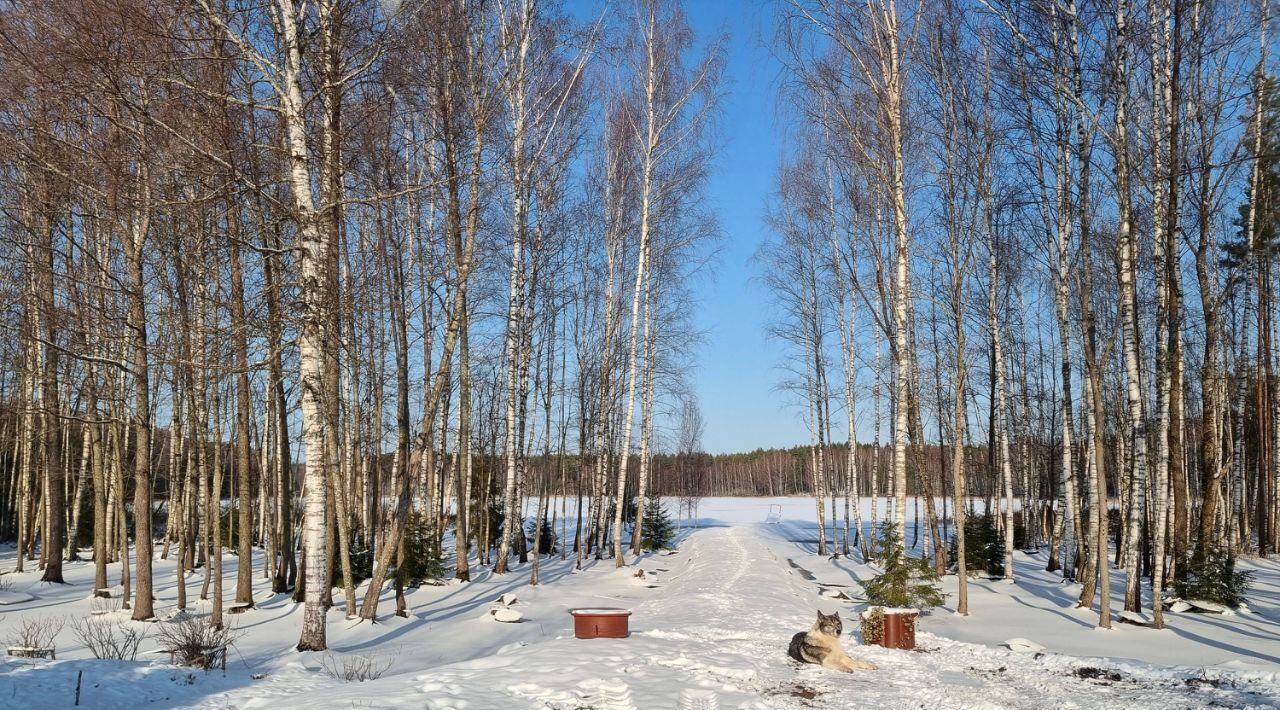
[(606, 623), (899, 629)]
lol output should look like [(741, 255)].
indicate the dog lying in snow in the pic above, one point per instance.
[(821, 645)]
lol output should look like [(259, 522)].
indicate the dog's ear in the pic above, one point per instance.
[(819, 613)]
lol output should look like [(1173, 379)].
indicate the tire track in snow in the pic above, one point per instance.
[(723, 610)]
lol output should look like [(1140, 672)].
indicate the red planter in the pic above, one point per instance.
[(601, 623), (899, 629), (890, 628)]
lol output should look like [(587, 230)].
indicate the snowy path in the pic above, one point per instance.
[(710, 629)]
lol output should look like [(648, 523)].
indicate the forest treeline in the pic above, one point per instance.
[(788, 472)]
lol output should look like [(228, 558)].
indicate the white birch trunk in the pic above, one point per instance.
[(893, 77), (1002, 422), (1166, 260), (1129, 313), (652, 138), (646, 415), (312, 340), (516, 324)]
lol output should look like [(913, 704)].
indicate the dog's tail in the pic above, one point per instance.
[(797, 646)]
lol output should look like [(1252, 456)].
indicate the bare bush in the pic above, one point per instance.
[(356, 668), (110, 638), (192, 641), (6, 584), (35, 633)]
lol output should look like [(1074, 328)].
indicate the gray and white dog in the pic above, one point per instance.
[(821, 645)]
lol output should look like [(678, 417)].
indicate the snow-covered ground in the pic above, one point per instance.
[(710, 627)]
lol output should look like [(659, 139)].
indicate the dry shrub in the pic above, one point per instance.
[(356, 668), (110, 638), (193, 641), (35, 632)]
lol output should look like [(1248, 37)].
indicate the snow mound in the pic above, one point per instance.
[(508, 599), (1021, 645), (507, 616), (1135, 618), (11, 597)]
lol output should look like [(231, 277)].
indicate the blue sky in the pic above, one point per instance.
[(738, 364)]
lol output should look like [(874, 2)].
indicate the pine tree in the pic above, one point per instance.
[(1214, 578), (547, 545), (361, 556), (983, 552), (497, 521), (658, 530), (906, 581), (1266, 228), (423, 561)]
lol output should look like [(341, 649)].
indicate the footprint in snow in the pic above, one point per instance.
[(594, 693)]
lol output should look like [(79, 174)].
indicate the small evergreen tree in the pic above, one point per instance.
[(229, 517), (547, 545), (497, 522), (1213, 578), (361, 560), (905, 581), (659, 530), (423, 561), (983, 547)]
